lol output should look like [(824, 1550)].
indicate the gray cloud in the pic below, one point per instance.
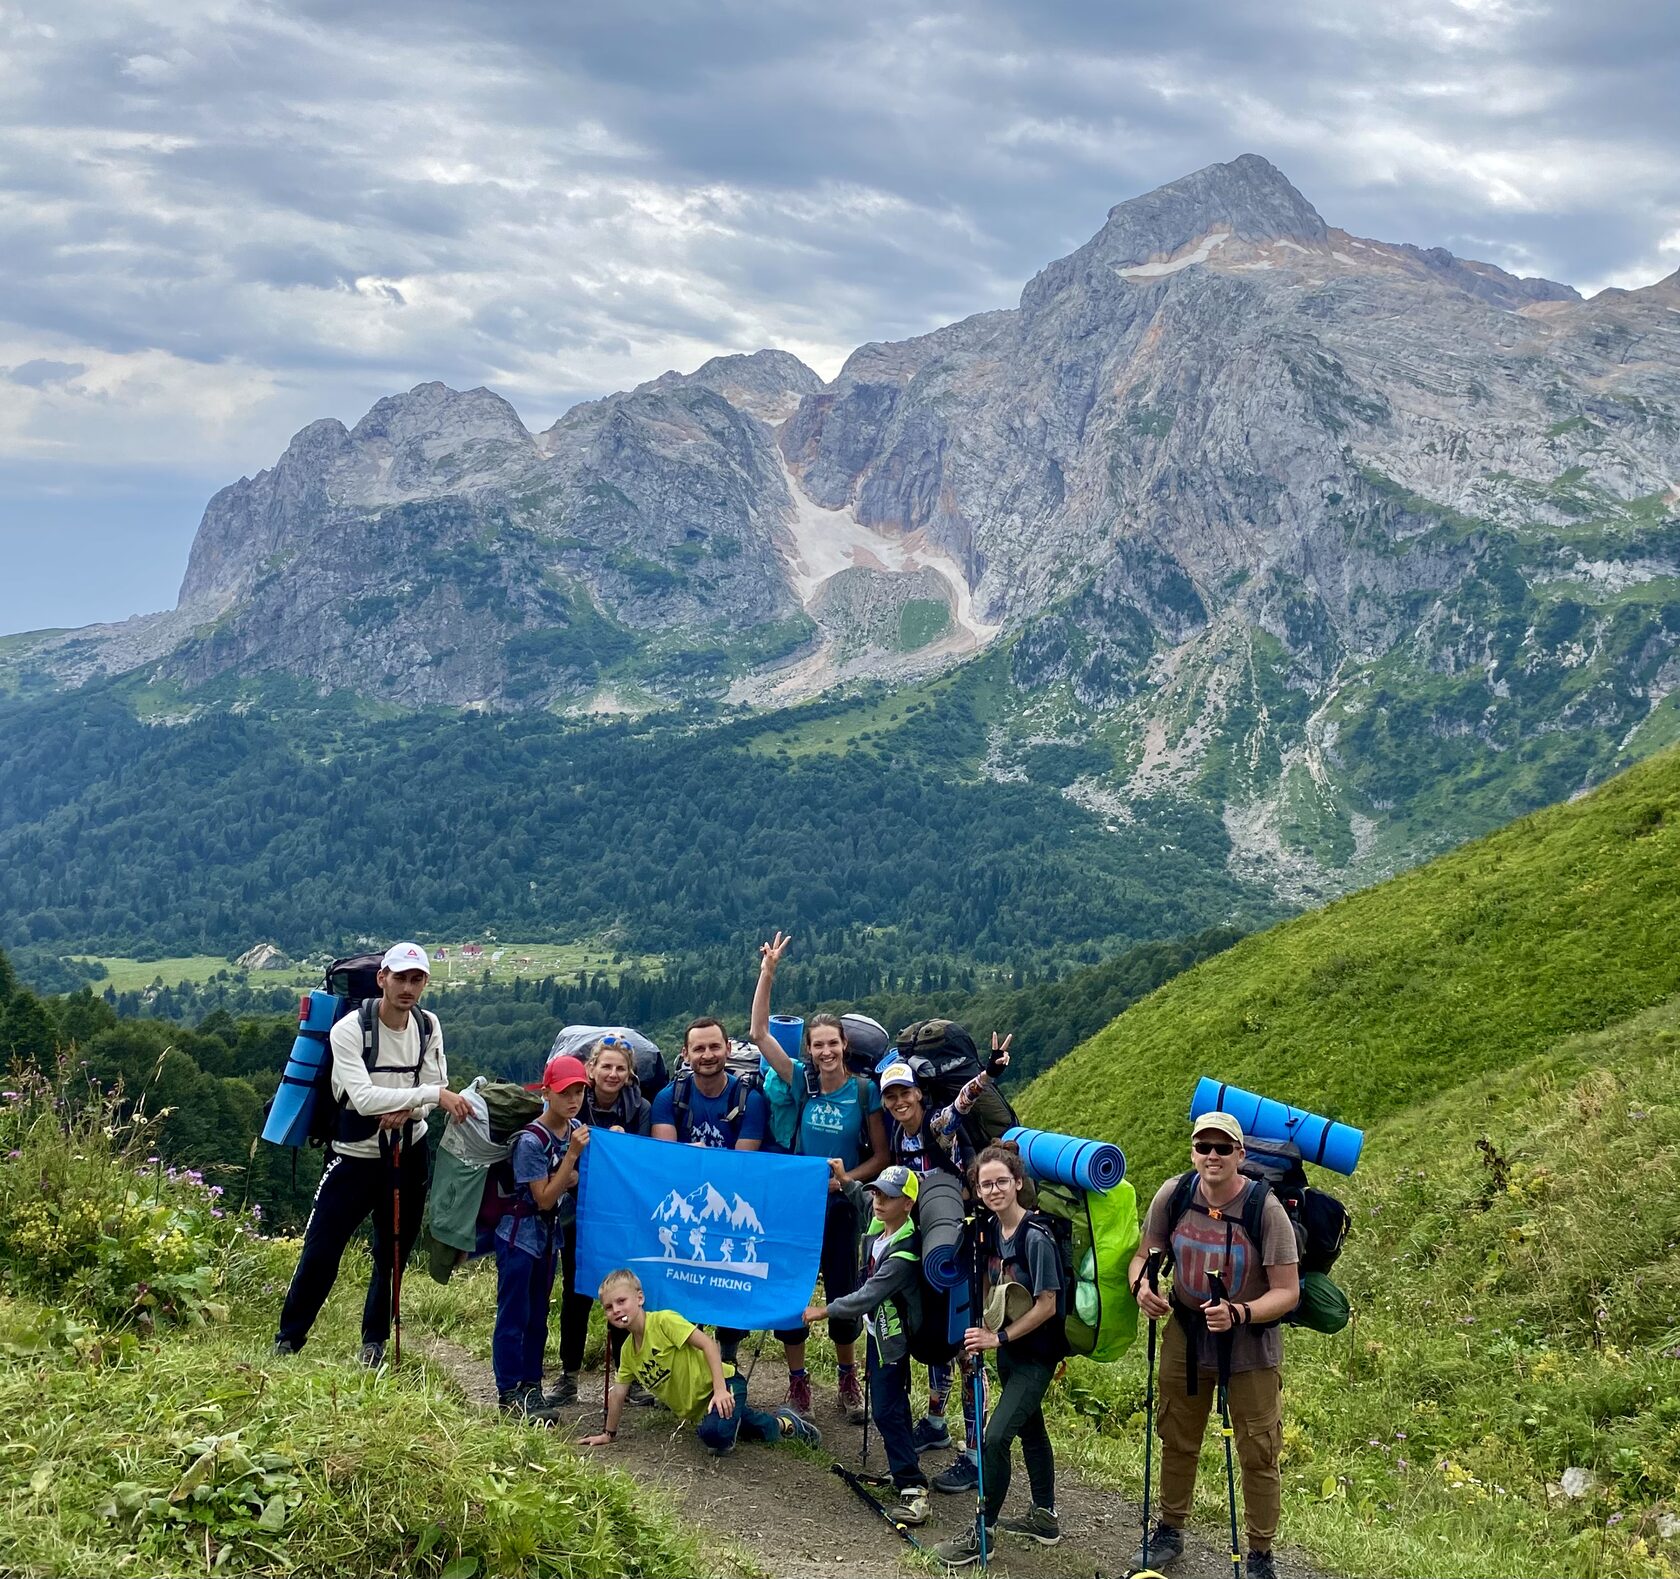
[(234, 217)]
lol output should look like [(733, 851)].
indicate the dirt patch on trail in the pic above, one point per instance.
[(788, 1515)]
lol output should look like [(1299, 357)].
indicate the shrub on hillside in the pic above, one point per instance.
[(91, 1219)]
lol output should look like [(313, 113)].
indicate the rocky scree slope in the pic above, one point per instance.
[(1364, 544)]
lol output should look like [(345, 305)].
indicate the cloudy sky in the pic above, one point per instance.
[(220, 219)]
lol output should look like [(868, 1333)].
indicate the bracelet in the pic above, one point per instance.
[(1248, 1315), (611, 1436)]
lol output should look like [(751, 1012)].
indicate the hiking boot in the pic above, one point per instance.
[(964, 1475), (912, 1505), (930, 1432), (964, 1547), (283, 1347), (1037, 1524), (1261, 1566), (1166, 1546), (372, 1354), (640, 1396), (799, 1393), (565, 1392), (851, 1397), (525, 1403), (799, 1429)]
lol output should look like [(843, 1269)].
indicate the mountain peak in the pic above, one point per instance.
[(766, 384), (1249, 197)]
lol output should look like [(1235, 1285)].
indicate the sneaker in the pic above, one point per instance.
[(851, 1398), (1166, 1546), (798, 1428), (930, 1432), (912, 1505), (964, 1475), (1261, 1566), (565, 1392), (372, 1354), (524, 1403), (799, 1393), (1037, 1524), (641, 1397), (964, 1548), (283, 1347)]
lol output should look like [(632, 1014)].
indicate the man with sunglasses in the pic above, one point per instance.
[(1209, 1239)]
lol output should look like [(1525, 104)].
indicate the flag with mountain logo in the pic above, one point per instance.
[(727, 1237)]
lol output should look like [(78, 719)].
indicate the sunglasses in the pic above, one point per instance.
[(1212, 1148)]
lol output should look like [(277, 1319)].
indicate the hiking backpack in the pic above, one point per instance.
[(943, 1058), (1097, 1234), (925, 1311), (501, 1189), (1319, 1220), (318, 1117)]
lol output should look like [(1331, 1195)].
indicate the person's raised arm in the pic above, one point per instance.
[(770, 956)]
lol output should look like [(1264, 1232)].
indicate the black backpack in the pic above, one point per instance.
[(1048, 1343), (354, 982), (1320, 1221), (943, 1058), (926, 1314)]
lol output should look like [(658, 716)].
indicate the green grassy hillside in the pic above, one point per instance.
[(1563, 922), (1505, 1024)]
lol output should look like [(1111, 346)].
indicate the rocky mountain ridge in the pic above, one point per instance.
[(1295, 522)]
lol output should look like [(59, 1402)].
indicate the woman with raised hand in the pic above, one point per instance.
[(612, 1101), (1023, 1326), (839, 1117)]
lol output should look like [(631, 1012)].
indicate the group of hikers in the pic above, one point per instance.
[(1233, 1278)]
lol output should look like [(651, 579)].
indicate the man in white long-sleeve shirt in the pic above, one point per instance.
[(383, 1103)]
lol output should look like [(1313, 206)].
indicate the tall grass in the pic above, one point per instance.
[(146, 1427)]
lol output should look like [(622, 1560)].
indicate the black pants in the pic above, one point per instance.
[(1019, 1413), (351, 1190), (839, 1270), (575, 1306), (889, 1398)]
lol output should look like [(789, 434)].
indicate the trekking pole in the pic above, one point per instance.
[(1217, 1284), (857, 1485), (863, 1457), (396, 1248), (977, 1303), (1152, 1271)]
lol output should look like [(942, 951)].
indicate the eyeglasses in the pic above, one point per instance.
[(1212, 1148), (989, 1185)]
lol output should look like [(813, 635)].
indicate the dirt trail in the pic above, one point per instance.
[(790, 1515)]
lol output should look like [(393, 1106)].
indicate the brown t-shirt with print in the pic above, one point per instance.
[(1199, 1246)]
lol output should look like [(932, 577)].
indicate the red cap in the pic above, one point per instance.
[(561, 1072)]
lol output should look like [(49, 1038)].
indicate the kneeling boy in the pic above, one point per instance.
[(682, 1367)]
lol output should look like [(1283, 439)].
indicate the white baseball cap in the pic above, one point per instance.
[(406, 956)]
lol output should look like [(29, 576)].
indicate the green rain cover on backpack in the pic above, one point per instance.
[(1102, 1315)]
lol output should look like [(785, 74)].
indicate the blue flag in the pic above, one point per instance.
[(731, 1238)]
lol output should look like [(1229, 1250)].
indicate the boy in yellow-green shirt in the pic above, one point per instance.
[(683, 1368)]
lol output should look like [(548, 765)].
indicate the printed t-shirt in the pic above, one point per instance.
[(832, 1123), (529, 1228), (1198, 1247), (706, 1126), (665, 1363)]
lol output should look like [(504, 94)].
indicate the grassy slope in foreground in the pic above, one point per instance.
[(1563, 922)]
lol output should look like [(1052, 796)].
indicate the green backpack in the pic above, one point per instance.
[(1099, 1235)]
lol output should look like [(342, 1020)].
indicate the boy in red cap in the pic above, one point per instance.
[(544, 1159)]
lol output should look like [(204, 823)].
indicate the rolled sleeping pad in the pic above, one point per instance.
[(939, 1216), (289, 1114), (789, 1031), (1092, 1165), (1319, 1140)]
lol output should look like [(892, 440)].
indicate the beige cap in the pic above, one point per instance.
[(1221, 1123)]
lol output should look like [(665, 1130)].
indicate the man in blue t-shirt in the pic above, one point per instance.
[(707, 1106)]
